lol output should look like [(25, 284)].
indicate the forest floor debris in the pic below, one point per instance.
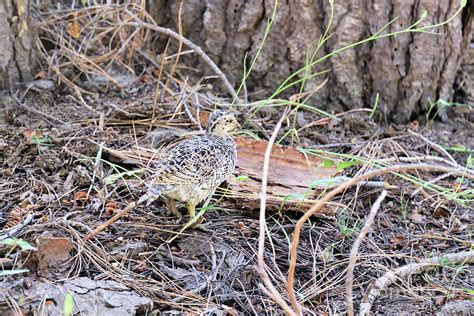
[(77, 155)]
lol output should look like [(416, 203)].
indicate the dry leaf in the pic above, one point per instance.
[(14, 218), (73, 28), (80, 197), (440, 212), (111, 208), (53, 255), (416, 218), (397, 240), (146, 78), (30, 133), (413, 125), (40, 75)]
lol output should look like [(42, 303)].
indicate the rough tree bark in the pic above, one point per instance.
[(408, 70), (16, 60)]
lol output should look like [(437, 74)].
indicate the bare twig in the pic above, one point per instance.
[(355, 250), (440, 149), (162, 67), (396, 168), (110, 221), (391, 276), (13, 230), (76, 90), (197, 49), (441, 177), (269, 288), (180, 43)]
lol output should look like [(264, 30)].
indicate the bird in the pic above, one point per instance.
[(192, 169)]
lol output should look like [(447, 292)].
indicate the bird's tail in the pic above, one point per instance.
[(152, 194)]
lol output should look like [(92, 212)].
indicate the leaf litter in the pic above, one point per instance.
[(60, 181)]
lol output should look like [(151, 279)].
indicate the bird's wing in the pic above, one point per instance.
[(193, 161)]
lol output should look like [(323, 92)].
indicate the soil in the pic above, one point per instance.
[(57, 186)]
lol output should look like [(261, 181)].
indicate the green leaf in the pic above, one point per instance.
[(294, 196), (376, 103), (463, 3), (346, 164), (459, 149), (443, 103), (24, 245), (424, 15), (469, 291), (122, 175), (326, 182), (12, 272), (241, 178), (209, 208), (68, 304), (40, 141), (327, 163)]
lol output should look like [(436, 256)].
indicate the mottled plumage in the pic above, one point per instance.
[(190, 171)]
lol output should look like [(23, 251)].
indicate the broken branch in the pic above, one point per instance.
[(355, 250), (110, 221)]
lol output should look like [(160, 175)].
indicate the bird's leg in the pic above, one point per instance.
[(191, 210), (171, 206), (192, 213)]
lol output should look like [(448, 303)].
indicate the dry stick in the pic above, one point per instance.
[(110, 221), (197, 50), (9, 232), (296, 233), (355, 249), (180, 43), (435, 146), (391, 276), (155, 97), (69, 83), (269, 289)]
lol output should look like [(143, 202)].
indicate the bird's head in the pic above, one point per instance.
[(221, 123)]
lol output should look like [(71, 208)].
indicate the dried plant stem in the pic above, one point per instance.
[(269, 289), (391, 276), (9, 232), (355, 250), (371, 174), (76, 90), (157, 91), (180, 43), (440, 149), (197, 49), (110, 221)]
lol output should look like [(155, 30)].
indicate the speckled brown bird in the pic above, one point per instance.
[(190, 171)]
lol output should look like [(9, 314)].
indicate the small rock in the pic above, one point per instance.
[(44, 84)]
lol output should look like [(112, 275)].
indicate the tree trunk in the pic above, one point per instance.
[(15, 43), (408, 71)]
